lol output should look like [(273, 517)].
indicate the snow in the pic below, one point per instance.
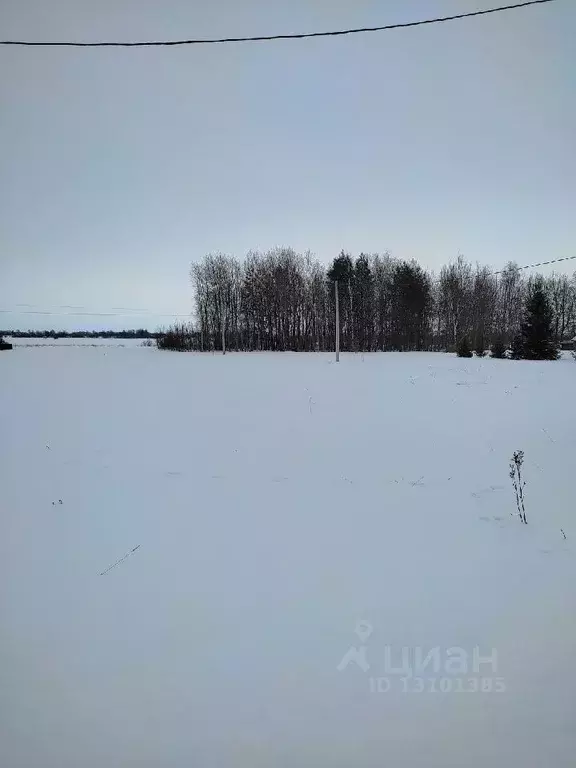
[(70, 342), (272, 502)]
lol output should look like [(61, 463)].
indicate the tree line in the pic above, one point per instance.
[(282, 300), (140, 333)]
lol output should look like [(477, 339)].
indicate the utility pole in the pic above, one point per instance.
[(223, 333), (337, 321)]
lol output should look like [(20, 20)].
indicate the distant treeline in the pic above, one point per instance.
[(282, 300), (141, 333)]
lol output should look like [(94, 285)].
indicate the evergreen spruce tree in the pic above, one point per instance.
[(517, 347), (342, 270), (536, 338), (479, 347), (498, 349), (463, 349), (363, 304), (411, 303)]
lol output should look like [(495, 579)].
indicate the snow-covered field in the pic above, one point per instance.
[(285, 510), (68, 342)]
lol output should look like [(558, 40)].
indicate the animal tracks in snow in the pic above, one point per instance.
[(486, 491)]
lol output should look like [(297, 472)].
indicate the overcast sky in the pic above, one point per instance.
[(119, 167)]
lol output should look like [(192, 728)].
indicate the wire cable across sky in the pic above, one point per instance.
[(145, 313), (265, 38)]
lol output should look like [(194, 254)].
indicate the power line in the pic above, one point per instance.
[(143, 312), (512, 269), (262, 38), (134, 313), (127, 555), (539, 264)]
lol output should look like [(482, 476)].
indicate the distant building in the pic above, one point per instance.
[(571, 344)]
